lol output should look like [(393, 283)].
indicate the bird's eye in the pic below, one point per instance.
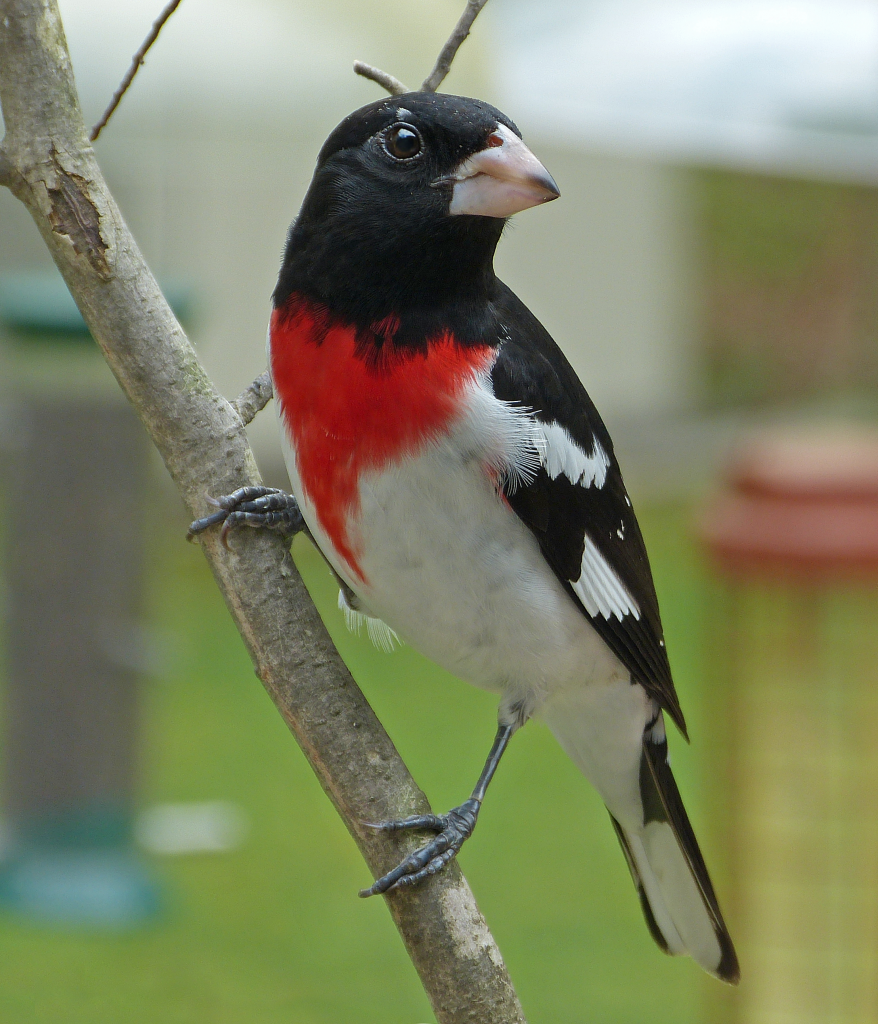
[(402, 141)]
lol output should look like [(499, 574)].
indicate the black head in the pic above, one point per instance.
[(407, 204)]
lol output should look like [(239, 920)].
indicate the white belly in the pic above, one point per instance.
[(454, 571)]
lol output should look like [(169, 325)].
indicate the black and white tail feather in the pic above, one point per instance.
[(627, 763), (675, 890)]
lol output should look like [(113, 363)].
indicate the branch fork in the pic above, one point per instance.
[(443, 62)]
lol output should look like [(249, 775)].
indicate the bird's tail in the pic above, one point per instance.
[(675, 890)]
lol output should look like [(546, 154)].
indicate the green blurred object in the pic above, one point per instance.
[(73, 586), (77, 868), (39, 306), (790, 290)]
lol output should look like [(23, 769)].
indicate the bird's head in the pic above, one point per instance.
[(410, 196), (448, 155)]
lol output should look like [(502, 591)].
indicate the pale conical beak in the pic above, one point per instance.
[(501, 179)]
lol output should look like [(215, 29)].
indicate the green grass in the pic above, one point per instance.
[(274, 932)]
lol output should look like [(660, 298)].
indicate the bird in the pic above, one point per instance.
[(449, 464)]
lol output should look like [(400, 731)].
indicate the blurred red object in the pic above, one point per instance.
[(798, 504)]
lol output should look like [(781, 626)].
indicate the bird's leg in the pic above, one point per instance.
[(454, 829), (265, 507)]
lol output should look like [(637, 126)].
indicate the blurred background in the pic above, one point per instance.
[(712, 272)]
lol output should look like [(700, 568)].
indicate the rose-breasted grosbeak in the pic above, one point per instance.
[(456, 476)]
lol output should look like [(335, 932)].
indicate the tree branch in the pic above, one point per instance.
[(449, 50), (254, 398), (202, 441), (386, 81), (136, 64), (7, 172)]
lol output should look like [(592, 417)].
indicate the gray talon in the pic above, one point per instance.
[(454, 829), (267, 508)]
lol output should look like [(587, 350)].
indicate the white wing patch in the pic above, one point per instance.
[(518, 444), (563, 455), (511, 440), (600, 589), (381, 635)]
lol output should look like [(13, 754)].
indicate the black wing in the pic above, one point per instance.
[(568, 515)]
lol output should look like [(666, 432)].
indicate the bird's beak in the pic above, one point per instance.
[(501, 179)]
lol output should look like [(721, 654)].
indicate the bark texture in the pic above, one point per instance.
[(48, 162)]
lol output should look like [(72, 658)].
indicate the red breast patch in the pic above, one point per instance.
[(353, 403)]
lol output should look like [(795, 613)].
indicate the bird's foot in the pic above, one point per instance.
[(263, 507), (454, 829)]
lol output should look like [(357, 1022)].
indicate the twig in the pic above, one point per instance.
[(205, 449), (449, 50), (388, 82), (136, 63), (253, 399)]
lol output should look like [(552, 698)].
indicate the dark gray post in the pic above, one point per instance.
[(74, 572)]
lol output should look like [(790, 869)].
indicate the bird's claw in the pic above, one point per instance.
[(454, 829), (268, 508)]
